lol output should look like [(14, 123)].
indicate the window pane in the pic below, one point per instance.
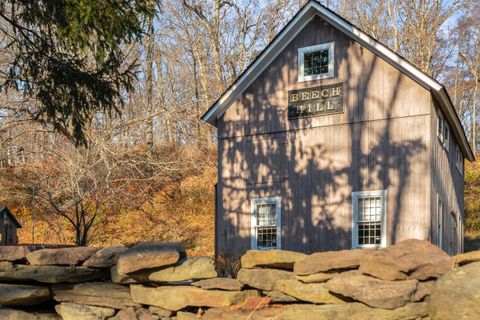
[(369, 233), (370, 212), (369, 209), (315, 62), (267, 237), (266, 215)]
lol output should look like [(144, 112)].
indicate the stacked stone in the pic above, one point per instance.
[(147, 281), (393, 283), (152, 281)]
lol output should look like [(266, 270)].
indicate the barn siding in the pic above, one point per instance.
[(381, 141), (449, 184)]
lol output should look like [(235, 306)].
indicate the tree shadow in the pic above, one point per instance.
[(315, 163)]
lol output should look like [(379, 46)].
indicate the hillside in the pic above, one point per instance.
[(472, 206), (183, 211), (177, 210)]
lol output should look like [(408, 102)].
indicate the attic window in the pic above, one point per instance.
[(315, 62)]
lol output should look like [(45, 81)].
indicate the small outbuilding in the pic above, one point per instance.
[(8, 228), (330, 140)]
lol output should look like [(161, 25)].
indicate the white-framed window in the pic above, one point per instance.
[(316, 62), (443, 131), (369, 219), (459, 159), (446, 136), (440, 208), (440, 124), (266, 223)]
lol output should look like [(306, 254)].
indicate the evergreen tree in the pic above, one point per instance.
[(69, 56)]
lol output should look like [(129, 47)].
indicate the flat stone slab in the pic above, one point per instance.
[(188, 269), (316, 277), (374, 292), (347, 311), (279, 297), (13, 314), (48, 274), (123, 278), (22, 295), (13, 253), (409, 259), (147, 256), (309, 292), (176, 298), (277, 259), (185, 316), (219, 283), (105, 258), (72, 311), (135, 314), (101, 294), (263, 279), (467, 257), (456, 295), (329, 261), (63, 256), (162, 313)]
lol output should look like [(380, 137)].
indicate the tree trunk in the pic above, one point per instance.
[(474, 119), (149, 83)]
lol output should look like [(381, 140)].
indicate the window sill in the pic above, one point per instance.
[(315, 77), (369, 246)]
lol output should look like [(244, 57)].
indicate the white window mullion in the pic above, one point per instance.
[(369, 219), (307, 73), (266, 223)]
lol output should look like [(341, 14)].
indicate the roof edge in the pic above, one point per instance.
[(11, 216), (284, 37), (270, 52)]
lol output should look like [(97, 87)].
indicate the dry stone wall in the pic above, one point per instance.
[(150, 281)]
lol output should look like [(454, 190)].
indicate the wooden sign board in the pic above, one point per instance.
[(316, 101)]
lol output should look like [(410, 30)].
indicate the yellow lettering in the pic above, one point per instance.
[(315, 94), (304, 95), (330, 105), (325, 93), (309, 108), (336, 91), (294, 97), (300, 108)]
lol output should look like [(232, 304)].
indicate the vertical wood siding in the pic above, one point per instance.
[(448, 183), (381, 141)]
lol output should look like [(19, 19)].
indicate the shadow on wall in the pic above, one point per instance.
[(315, 170)]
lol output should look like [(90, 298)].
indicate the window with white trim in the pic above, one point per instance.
[(369, 219), (459, 159), (440, 215), (316, 62), (443, 131), (266, 223)]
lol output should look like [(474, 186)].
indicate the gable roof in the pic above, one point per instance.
[(5, 211), (298, 22)]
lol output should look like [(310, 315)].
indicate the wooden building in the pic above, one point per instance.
[(8, 228), (330, 140)]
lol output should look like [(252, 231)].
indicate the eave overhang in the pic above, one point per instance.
[(299, 21)]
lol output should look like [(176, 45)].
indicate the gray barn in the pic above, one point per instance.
[(330, 140)]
